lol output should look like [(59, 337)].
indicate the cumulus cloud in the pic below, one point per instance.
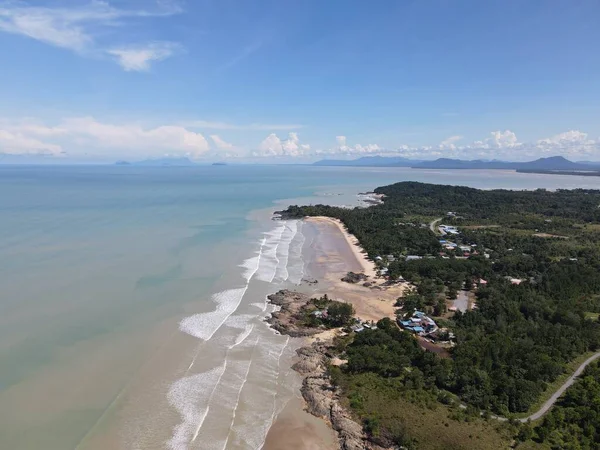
[(499, 140), (89, 133), (138, 58), (15, 143), (573, 142), (220, 143), (272, 145), (211, 125), (506, 145), (77, 28), (76, 135), (345, 149), (448, 143)]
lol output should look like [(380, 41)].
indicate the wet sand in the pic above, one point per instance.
[(295, 429)]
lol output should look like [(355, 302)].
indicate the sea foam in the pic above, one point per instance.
[(291, 228), (269, 260), (205, 325)]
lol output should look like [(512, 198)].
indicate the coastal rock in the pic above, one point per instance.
[(352, 277), (310, 361), (287, 319), (321, 397), (318, 396), (350, 432)]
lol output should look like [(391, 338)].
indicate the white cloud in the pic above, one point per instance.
[(449, 142), (220, 143), (78, 136), (345, 149), (341, 140), (571, 143), (12, 143), (499, 140), (211, 125), (75, 28), (132, 140), (163, 138), (273, 146), (138, 58)]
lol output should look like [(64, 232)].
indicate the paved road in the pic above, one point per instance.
[(552, 400), (561, 390), (433, 223)]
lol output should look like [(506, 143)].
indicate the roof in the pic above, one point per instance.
[(418, 329)]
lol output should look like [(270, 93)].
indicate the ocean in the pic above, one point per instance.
[(132, 299)]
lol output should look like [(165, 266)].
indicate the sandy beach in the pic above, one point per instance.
[(367, 266), (333, 252), (341, 253)]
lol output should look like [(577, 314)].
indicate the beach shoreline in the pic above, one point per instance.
[(368, 267), (332, 254)]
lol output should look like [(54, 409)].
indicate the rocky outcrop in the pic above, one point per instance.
[(352, 277), (323, 399), (288, 319)]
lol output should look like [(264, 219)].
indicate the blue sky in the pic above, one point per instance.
[(271, 80)]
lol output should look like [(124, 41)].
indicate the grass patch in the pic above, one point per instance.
[(592, 315), (416, 419)]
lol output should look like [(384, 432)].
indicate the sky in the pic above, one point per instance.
[(298, 80)]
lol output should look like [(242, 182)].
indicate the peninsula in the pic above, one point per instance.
[(525, 265)]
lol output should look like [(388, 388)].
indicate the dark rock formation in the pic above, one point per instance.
[(287, 319), (352, 277), (323, 399)]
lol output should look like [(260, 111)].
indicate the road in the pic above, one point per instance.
[(561, 390), (433, 223), (552, 400)]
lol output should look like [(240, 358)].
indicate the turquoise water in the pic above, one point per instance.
[(99, 264)]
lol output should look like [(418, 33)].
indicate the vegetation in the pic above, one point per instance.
[(391, 384), (331, 313), (519, 340), (574, 423)]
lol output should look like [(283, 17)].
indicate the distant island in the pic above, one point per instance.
[(552, 163), (159, 162), (219, 164), (584, 173)]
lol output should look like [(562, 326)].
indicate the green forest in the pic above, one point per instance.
[(520, 338)]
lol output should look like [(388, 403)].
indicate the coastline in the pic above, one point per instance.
[(368, 267), (332, 254)]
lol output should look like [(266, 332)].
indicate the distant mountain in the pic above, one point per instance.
[(554, 163), (369, 161), (551, 163), (446, 163), (159, 162)]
